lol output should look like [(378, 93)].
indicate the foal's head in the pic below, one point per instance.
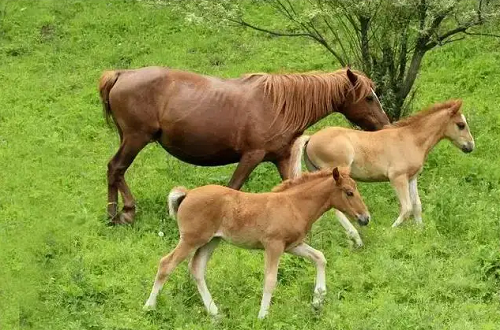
[(457, 130), (362, 106), (349, 201)]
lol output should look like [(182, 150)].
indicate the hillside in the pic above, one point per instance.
[(61, 267)]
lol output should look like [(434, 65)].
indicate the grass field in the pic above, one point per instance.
[(61, 267)]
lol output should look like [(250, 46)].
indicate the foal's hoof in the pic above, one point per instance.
[(147, 307), (216, 318)]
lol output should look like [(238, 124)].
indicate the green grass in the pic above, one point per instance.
[(62, 268)]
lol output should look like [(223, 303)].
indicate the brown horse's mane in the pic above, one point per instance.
[(420, 116), (306, 177), (302, 98)]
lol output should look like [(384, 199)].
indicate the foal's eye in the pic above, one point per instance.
[(460, 126), (349, 193), (369, 98)]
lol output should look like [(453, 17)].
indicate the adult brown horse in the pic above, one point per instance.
[(209, 121)]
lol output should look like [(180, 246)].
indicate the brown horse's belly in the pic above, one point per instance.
[(200, 152)]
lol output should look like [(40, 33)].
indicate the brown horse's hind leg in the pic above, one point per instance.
[(247, 164), (129, 148)]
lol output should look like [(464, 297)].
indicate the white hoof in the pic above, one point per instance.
[(149, 306), (214, 311), (319, 298)]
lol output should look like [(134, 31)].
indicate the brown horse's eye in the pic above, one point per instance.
[(349, 193), (369, 98), (460, 126)]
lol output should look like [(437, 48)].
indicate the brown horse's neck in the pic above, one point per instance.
[(429, 131), (313, 198)]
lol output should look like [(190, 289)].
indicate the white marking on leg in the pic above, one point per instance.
[(264, 304), (165, 268), (415, 201), (197, 267), (400, 184), (273, 254), (304, 250), (151, 302), (349, 228)]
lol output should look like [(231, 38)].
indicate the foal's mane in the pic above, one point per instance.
[(422, 115), (306, 177), (302, 98)]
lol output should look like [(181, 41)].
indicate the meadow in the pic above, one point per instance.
[(61, 267)]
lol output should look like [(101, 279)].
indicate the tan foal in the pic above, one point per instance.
[(276, 221), (396, 153)]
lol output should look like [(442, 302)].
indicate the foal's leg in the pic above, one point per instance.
[(304, 250), (197, 266), (415, 201), (166, 267), (349, 228), (400, 184), (247, 164), (129, 148), (273, 254)]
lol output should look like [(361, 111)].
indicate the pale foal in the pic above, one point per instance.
[(396, 154)]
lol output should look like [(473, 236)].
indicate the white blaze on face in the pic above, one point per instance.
[(376, 98), (465, 120)]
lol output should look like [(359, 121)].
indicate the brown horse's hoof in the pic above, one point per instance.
[(126, 218), (121, 219)]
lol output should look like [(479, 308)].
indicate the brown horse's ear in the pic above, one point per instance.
[(456, 107), (352, 76), (336, 175)]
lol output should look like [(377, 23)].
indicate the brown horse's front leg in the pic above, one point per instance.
[(247, 164), (283, 166)]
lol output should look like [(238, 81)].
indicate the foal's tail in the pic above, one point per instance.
[(107, 81), (175, 198), (296, 156)]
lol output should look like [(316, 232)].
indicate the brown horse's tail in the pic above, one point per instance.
[(296, 156), (107, 81), (175, 198)]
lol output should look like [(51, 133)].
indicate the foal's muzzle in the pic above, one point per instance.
[(363, 219), (468, 147)]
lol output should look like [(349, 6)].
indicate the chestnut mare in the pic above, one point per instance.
[(209, 121), (396, 153), (276, 222)]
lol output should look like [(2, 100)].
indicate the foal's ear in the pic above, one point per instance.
[(353, 78), (336, 175), (454, 109)]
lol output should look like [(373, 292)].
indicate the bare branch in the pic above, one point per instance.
[(444, 36), (481, 34), (274, 33), (449, 41), (317, 38)]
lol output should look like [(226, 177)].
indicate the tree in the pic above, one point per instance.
[(387, 39)]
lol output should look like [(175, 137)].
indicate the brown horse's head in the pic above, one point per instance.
[(362, 106)]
